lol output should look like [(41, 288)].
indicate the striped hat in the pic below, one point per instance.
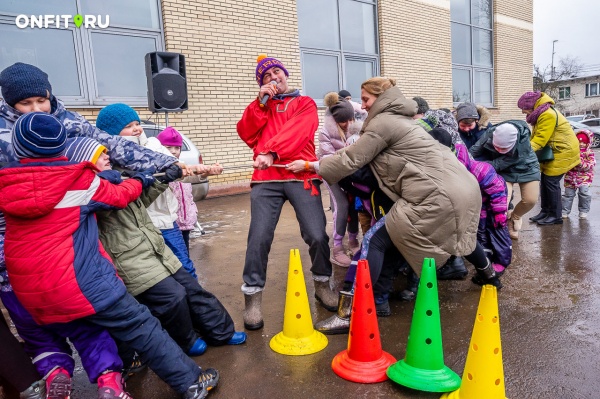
[(80, 149), (38, 135)]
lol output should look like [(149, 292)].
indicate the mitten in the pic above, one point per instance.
[(171, 173), (111, 175), (145, 177), (500, 220)]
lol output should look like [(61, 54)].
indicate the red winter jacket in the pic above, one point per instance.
[(57, 267), (286, 127)]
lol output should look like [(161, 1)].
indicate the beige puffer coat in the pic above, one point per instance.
[(437, 201)]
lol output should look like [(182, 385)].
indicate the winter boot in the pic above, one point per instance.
[(253, 319), (539, 216), (339, 257), (37, 390), (353, 246), (208, 379), (412, 285), (340, 322), (325, 295), (58, 384), (453, 269), (111, 386), (487, 275), (514, 225)]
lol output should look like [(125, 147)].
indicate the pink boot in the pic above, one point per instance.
[(353, 246), (339, 257)]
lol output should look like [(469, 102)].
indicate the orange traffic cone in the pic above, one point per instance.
[(364, 361)]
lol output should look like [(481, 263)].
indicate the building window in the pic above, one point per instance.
[(86, 66), (472, 51), (591, 90), (338, 45), (564, 93)]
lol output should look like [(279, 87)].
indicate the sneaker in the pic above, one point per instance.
[(111, 386), (58, 384), (565, 215), (134, 367), (237, 338), (208, 379), (582, 215), (198, 348)]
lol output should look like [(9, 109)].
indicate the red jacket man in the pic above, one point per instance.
[(280, 131)]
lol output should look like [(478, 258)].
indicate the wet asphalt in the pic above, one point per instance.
[(549, 315)]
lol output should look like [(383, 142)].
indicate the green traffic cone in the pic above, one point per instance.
[(423, 366)]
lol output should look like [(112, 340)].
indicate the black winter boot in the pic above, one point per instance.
[(453, 269), (487, 275), (412, 285)]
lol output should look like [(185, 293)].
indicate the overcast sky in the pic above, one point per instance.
[(576, 26)]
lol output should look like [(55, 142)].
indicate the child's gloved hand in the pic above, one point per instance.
[(171, 173), (111, 175), (500, 220), (145, 178)]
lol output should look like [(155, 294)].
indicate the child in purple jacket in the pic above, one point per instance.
[(492, 233)]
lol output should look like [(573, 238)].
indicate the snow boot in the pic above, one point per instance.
[(339, 323), (325, 295), (253, 319)]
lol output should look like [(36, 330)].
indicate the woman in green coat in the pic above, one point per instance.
[(550, 129), (436, 200)]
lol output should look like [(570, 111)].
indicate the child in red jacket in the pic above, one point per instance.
[(58, 270)]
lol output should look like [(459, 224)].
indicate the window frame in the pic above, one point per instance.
[(84, 56), (588, 87), (561, 93), (342, 55), (477, 68)]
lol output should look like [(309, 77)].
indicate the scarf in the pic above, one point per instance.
[(533, 117)]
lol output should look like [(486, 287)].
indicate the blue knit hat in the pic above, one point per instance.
[(113, 118), (20, 81), (81, 149), (38, 135)]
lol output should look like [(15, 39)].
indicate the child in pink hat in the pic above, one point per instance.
[(187, 214)]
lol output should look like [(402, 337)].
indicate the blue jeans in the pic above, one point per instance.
[(585, 199), (174, 240)]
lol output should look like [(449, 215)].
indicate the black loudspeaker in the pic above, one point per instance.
[(167, 84)]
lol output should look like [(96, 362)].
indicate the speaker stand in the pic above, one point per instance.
[(166, 119)]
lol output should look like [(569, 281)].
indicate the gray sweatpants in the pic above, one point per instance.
[(585, 199)]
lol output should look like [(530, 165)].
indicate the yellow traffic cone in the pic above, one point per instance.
[(298, 336), (484, 374)]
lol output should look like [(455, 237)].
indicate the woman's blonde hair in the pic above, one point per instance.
[(377, 85)]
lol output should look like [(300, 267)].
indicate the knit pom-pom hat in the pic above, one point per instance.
[(113, 118), (264, 63), (38, 135), (340, 108)]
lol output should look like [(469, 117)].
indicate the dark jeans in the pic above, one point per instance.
[(133, 325), (267, 199), (15, 367), (383, 257), (550, 193), (184, 308)]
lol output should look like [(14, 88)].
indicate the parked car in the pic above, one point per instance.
[(190, 155), (580, 118), (577, 126)]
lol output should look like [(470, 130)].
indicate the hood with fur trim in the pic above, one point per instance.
[(485, 117)]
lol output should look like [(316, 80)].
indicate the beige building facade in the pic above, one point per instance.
[(429, 46), (580, 96)]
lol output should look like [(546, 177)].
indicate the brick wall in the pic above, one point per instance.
[(221, 39)]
